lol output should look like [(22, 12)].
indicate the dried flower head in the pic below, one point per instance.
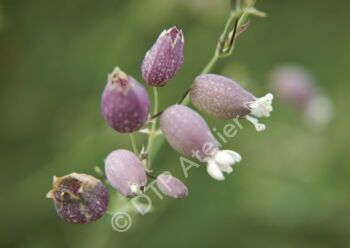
[(125, 102), (164, 59), (79, 198), (188, 133), (222, 97)]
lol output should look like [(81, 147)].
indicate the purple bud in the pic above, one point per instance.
[(125, 172), (79, 198), (171, 186), (296, 86), (125, 102), (293, 84), (165, 58), (222, 97), (188, 133)]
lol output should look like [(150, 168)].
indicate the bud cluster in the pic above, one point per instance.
[(125, 106)]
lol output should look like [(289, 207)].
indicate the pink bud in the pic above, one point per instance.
[(125, 102), (293, 84), (79, 198), (125, 172), (171, 186), (222, 97), (296, 86), (165, 58), (188, 133)]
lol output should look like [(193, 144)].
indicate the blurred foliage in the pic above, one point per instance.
[(291, 190)]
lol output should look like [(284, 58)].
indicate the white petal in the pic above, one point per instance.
[(262, 106), (135, 189), (214, 171), (233, 154), (258, 126), (225, 168), (224, 158)]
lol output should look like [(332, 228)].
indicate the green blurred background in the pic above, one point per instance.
[(292, 188)]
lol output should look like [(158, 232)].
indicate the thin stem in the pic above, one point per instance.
[(211, 64), (152, 133), (155, 95), (133, 143), (156, 115), (151, 176), (237, 17), (186, 99), (228, 24)]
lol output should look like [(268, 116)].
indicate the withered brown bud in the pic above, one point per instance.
[(79, 198)]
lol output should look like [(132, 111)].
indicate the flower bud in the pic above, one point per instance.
[(125, 102), (293, 84), (296, 86), (319, 111), (164, 59), (125, 172), (188, 133), (79, 198), (222, 97), (171, 186)]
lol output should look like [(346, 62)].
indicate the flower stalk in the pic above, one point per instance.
[(236, 23), (153, 132), (133, 143), (125, 106)]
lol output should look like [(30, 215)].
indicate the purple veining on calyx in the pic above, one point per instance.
[(125, 172), (185, 130), (164, 59), (188, 133), (220, 96), (125, 103), (171, 186)]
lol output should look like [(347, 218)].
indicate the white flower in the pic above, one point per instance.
[(221, 162), (261, 107)]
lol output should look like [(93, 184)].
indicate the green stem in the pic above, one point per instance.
[(228, 25), (152, 133), (241, 16), (133, 143), (205, 70), (155, 95), (211, 64)]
